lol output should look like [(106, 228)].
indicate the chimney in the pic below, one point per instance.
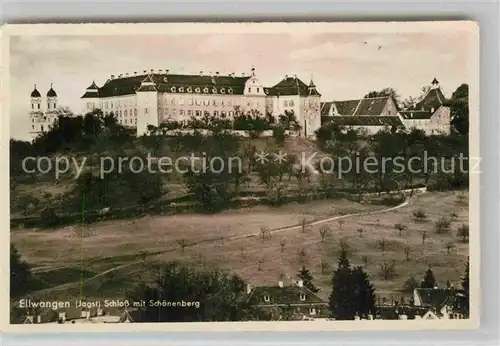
[(300, 283), (167, 71), (152, 71), (201, 73), (144, 71), (243, 74), (160, 71), (38, 319), (120, 75), (286, 76), (280, 284), (249, 288), (112, 76), (126, 74), (295, 76), (233, 74), (216, 73)]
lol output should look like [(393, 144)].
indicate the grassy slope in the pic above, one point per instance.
[(111, 244)]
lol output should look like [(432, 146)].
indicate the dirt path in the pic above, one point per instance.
[(272, 231)]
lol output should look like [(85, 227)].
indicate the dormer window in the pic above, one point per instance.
[(197, 90), (230, 90), (181, 90), (205, 90), (222, 91), (172, 89), (267, 298), (302, 297), (189, 90), (165, 80)]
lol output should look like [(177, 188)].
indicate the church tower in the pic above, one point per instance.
[(36, 112)]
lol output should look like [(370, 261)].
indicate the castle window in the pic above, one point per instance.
[(145, 111), (285, 103), (32, 120), (267, 298), (190, 102), (41, 127), (181, 112), (174, 111), (257, 89), (249, 90), (120, 113), (198, 113), (38, 106), (216, 113), (229, 103), (190, 112), (214, 102), (32, 106), (206, 113), (302, 297), (290, 103), (206, 102), (231, 113), (223, 114), (125, 113), (135, 112), (33, 127)]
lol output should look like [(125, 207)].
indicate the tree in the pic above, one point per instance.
[(265, 233), (221, 297), (20, 274), (342, 299), (364, 293), (429, 281), (407, 253), (463, 232), (388, 270), (382, 244), (324, 231), (365, 259), (182, 243), (341, 223), (282, 244), (400, 227), (324, 266), (302, 255), (307, 279), (410, 285), (360, 231), (466, 287), (352, 293), (449, 246), (459, 107), (424, 236), (303, 224)]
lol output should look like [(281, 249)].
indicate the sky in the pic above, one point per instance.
[(342, 65)]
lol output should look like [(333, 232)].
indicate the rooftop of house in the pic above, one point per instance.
[(285, 295), (360, 107), (292, 86), (365, 120), (435, 297)]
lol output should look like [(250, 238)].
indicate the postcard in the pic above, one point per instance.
[(241, 176)]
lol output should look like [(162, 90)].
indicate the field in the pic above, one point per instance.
[(116, 255)]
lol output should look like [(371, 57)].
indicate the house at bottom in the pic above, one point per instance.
[(440, 303), (288, 302), (79, 316)]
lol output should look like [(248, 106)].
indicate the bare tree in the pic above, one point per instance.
[(388, 270), (302, 255), (453, 216), (463, 231), (449, 246), (261, 262), (382, 243), (282, 244), (200, 259), (324, 231), (344, 245), (364, 258), (265, 233), (221, 240), (360, 231), (424, 236), (303, 224), (407, 253), (400, 227), (341, 223), (144, 255), (182, 243), (324, 266)]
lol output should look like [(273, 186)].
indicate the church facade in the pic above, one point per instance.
[(139, 100), (43, 113)]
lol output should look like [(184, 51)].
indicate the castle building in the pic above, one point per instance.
[(431, 114), (139, 100), (42, 115)]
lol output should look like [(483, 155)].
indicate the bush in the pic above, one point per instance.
[(442, 225), (419, 214), (410, 285)]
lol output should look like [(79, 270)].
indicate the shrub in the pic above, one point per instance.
[(442, 225), (419, 214)]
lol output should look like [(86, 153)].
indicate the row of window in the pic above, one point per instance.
[(50, 105), (267, 298), (199, 102), (197, 112), (199, 90)]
